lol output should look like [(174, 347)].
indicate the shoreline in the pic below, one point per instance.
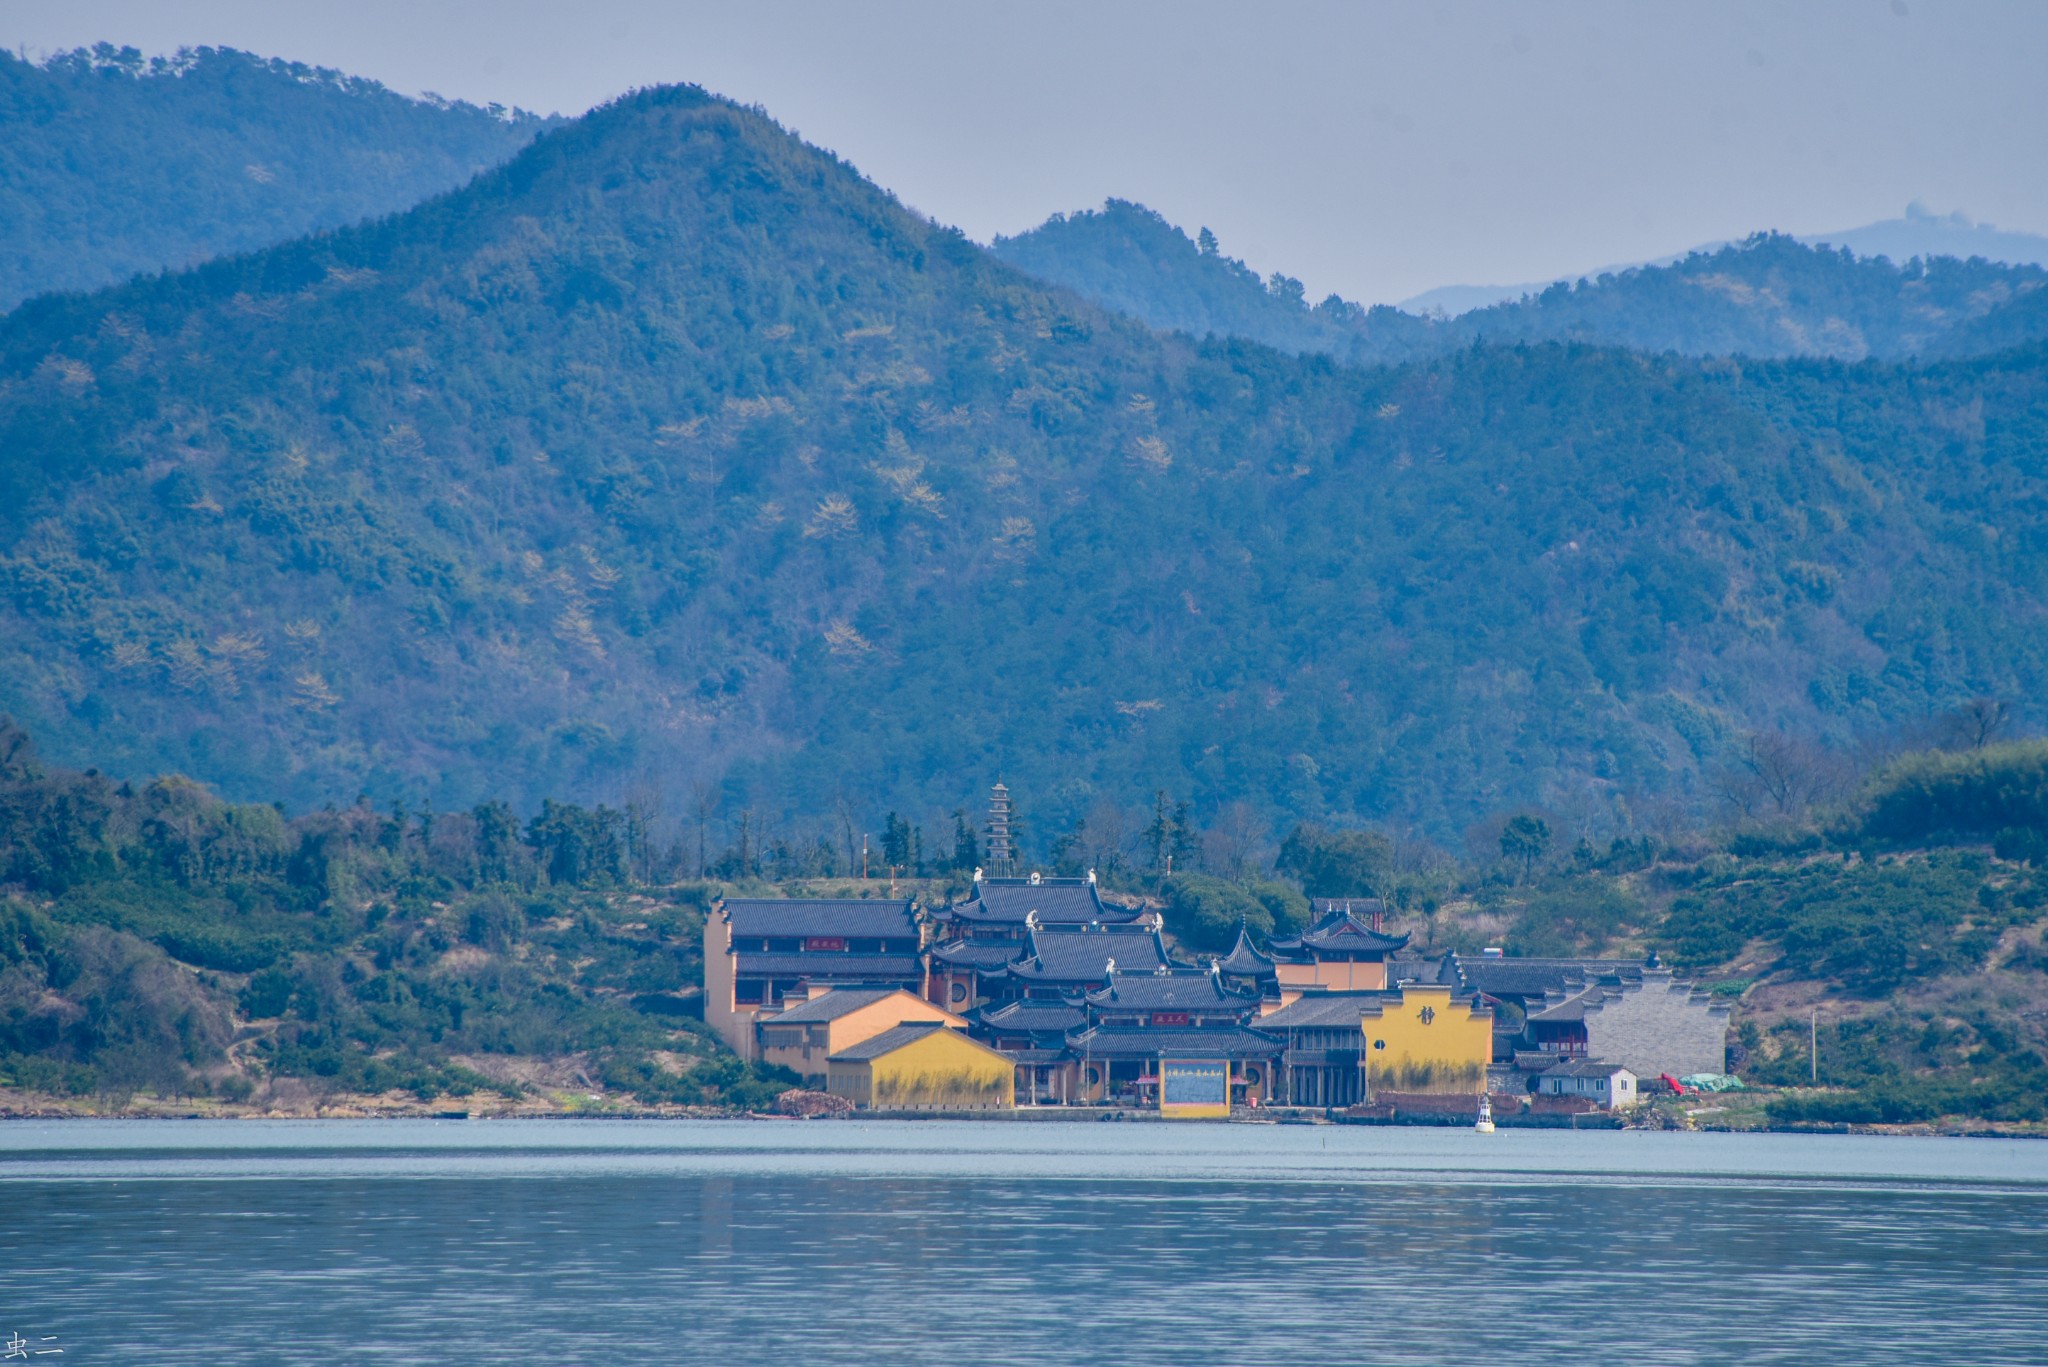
[(12, 1111)]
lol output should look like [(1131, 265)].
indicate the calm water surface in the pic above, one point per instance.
[(828, 1243)]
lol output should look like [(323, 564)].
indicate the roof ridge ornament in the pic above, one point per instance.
[(1091, 878), (977, 875)]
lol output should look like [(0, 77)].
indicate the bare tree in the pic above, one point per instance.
[(1234, 846), (1112, 838), (705, 796), (1979, 722), (1777, 775)]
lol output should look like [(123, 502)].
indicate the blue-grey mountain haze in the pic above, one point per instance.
[(1374, 151), (1918, 233)]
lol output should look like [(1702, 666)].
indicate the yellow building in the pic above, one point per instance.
[(922, 1066), (804, 1035), (1341, 952), (1421, 1039), (1342, 1047)]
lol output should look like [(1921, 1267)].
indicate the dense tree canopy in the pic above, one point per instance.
[(113, 164), (1768, 296), (673, 452)]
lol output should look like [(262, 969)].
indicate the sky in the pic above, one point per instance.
[(1374, 150)]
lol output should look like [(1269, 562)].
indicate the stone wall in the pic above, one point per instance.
[(1663, 1026)]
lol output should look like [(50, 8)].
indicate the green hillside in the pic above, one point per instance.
[(1767, 297), (111, 164), (672, 454), (158, 943)]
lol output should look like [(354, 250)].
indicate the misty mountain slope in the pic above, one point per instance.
[(112, 165), (674, 451), (1767, 297), (1130, 260)]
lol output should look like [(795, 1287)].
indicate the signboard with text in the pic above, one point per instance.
[(1194, 1089)]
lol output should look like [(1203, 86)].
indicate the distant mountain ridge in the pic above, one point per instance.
[(113, 164), (673, 452), (1769, 296), (1918, 233)]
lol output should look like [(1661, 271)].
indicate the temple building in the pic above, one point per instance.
[(762, 952), (1122, 1062), (1650, 1024), (804, 1034), (1513, 986), (923, 1066), (1141, 1022), (1340, 952), (977, 939), (1032, 1033), (1047, 962), (1245, 969), (1343, 1048)]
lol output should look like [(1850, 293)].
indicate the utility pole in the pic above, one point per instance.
[(863, 856), (1813, 1043)]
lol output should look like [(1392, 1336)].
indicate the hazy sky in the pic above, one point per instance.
[(1372, 149)]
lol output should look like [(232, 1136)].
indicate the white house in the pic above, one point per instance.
[(1607, 1085)]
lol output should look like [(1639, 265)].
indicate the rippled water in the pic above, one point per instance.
[(828, 1243)]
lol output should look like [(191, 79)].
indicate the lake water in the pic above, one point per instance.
[(813, 1244)]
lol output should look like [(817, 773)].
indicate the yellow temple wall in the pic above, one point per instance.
[(1428, 1042), (1336, 977), (942, 1071)]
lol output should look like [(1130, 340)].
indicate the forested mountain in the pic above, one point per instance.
[(1919, 233), (1767, 297), (673, 452), (111, 164)]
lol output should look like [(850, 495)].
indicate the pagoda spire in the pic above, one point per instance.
[(1002, 855)]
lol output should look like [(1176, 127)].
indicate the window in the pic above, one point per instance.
[(957, 992)]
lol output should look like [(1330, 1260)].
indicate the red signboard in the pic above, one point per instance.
[(825, 942), (1169, 1018)]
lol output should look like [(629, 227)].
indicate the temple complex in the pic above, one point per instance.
[(1086, 1001)]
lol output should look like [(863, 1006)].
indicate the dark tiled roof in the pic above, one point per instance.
[(1364, 908), (977, 953), (1034, 1017), (1167, 992), (888, 1042), (1058, 901), (1402, 968), (1083, 956), (1590, 1000), (1502, 976), (844, 967), (1585, 1067), (832, 1005), (1191, 1041), (1340, 933), (1571, 1008), (1322, 1010), (1244, 959), (855, 918)]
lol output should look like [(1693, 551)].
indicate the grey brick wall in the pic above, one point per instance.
[(1662, 1027)]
